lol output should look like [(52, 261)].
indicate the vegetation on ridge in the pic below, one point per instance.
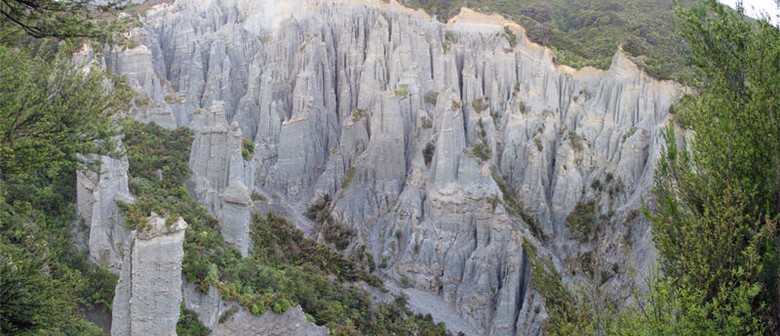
[(588, 33)]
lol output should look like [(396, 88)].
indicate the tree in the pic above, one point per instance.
[(718, 195), (52, 110), (717, 190), (31, 299), (59, 18)]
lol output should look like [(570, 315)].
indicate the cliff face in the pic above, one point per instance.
[(148, 294), (443, 146), (97, 211), (237, 321), (221, 174)]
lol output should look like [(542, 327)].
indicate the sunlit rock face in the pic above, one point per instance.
[(148, 294), (412, 127)]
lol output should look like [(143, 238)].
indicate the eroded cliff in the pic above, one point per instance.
[(444, 147)]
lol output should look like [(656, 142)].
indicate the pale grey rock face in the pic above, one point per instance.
[(342, 97), (97, 210), (209, 307), (148, 294), (290, 323), (220, 174)]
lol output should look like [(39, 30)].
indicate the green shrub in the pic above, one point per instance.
[(227, 315), (582, 220), (596, 185), (348, 177), (258, 198), (189, 324), (357, 115), (510, 36), (576, 141), (431, 97), (402, 90), (538, 143), (247, 149), (427, 123), (405, 282), (629, 133), (481, 151), (480, 105)]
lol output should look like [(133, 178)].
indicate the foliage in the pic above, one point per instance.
[(431, 97), (402, 90), (582, 220), (629, 133), (569, 314), (357, 115), (247, 149), (481, 151), (427, 123), (576, 141), (332, 230), (479, 105), (719, 199), (717, 192), (283, 269), (50, 110), (348, 175), (61, 18), (31, 298), (158, 166), (189, 325), (510, 36)]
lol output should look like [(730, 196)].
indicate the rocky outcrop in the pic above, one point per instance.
[(148, 294), (97, 194), (290, 323), (443, 146), (237, 321), (221, 174)]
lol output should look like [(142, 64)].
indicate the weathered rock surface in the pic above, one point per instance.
[(97, 211), (148, 294), (209, 307), (291, 323), (346, 98), (221, 174)]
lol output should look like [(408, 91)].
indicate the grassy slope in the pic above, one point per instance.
[(589, 32)]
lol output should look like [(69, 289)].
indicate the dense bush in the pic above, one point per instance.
[(49, 112), (582, 220)]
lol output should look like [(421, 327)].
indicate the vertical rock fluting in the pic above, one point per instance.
[(221, 174), (98, 215), (438, 143), (148, 294)]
